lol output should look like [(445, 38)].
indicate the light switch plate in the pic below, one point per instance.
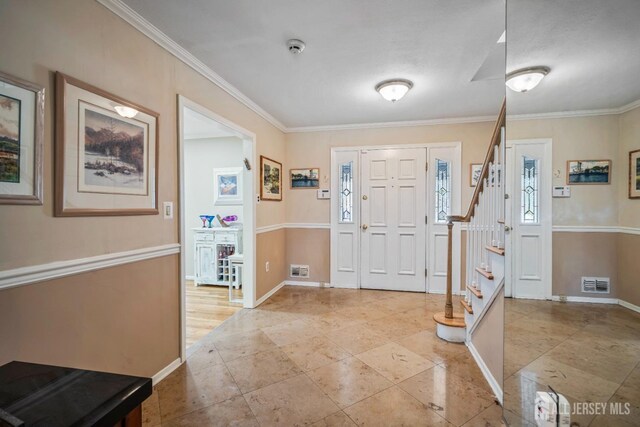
[(167, 209), (324, 194)]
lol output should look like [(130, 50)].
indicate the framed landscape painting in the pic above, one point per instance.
[(634, 174), (106, 158), (227, 186), (21, 141), (270, 179), (588, 172), (305, 178)]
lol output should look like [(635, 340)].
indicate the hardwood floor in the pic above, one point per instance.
[(207, 307)]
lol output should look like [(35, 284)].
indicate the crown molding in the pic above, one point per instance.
[(577, 113), (408, 123), (145, 27)]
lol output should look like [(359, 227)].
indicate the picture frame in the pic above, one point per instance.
[(475, 169), (21, 141), (227, 186), (304, 178), (106, 161), (270, 179), (588, 172), (634, 174)]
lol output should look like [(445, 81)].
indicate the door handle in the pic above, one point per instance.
[(364, 227), (507, 229)]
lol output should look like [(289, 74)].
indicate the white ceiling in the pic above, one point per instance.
[(351, 46), (447, 48), (591, 46)]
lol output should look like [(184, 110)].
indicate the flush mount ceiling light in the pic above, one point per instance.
[(127, 112), (394, 90), (526, 79)]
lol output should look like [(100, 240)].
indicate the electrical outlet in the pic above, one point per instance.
[(266, 266)]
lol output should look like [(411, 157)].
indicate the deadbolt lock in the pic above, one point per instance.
[(365, 226), (364, 197)]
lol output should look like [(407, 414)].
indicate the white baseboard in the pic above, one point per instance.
[(301, 283), (629, 306), (166, 371), (269, 294), (495, 386), (590, 300), (188, 277)]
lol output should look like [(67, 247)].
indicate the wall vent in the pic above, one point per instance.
[(596, 285), (299, 271)]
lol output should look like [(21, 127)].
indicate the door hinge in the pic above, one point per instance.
[(426, 272), (426, 166), (426, 219)]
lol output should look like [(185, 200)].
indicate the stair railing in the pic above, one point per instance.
[(484, 218)]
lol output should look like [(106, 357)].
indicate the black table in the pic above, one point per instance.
[(52, 396)]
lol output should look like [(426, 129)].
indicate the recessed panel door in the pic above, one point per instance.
[(392, 230)]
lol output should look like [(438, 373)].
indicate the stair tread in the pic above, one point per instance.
[(457, 321), (466, 306), (495, 250), (485, 273), (475, 291)]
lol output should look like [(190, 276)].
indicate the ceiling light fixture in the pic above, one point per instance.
[(525, 79), (295, 46), (127, 112), (394, 90)]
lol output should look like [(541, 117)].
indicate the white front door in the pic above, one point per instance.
[(528, 214), (393, 219)]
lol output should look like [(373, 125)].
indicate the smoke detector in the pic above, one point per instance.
[(295, 46)]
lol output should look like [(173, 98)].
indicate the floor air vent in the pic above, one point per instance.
[(596, 285), (300, 271)]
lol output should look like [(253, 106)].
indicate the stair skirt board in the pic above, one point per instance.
[(493, 383)]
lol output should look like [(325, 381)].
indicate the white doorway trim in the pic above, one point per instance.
[(336, 278), (249, 211), (546, 212)]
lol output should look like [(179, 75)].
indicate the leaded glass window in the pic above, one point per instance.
[(346, 192), (443, 190), (529, 198)]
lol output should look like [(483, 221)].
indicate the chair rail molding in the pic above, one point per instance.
[(39, 273)]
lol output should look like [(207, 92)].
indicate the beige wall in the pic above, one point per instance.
[(85, 40), (313, 149), (584, 254), (629, 268), (119, 319), (488, 338), (310, 247), (573, 139), (271, 247), (629, 209)]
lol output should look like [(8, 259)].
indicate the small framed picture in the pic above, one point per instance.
[(305, 178), (21, 141), (106, 153), (227, 186), (634, 174), (270, 179), (588, 172), (475, 169)]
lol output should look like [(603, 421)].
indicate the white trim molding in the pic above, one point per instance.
[(134, 19), (39, 273), (269, 228), (275, 227), (164, 372), (493, 383), (595, 229), (629, 306), (307, 284), (268, 295), (589, 300)]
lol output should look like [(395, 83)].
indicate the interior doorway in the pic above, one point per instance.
[(389, 214), (217, 220), (528, 241)]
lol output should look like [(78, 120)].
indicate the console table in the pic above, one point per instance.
[(52, 396), (212, 247)]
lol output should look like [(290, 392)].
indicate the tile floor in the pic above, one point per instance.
[(327, 357), (588, 352)]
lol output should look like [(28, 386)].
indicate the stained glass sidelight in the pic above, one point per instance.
[(346, 192), (529, 198), (443, 190)]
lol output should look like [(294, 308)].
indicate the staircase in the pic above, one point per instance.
[(485, 232)]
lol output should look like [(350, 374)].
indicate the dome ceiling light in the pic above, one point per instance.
[(525, 79), (394, 90)]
